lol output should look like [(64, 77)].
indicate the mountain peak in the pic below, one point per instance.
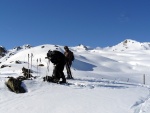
[(82, 47), (129, 41), (130, 44)]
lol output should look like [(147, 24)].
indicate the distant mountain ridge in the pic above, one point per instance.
[(126, 45), (129, 45), (6, 54)]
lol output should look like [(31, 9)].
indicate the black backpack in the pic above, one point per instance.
[(55, 56)]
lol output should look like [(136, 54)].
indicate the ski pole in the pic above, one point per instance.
[(28, 64), (31, 60), (37, 67), (40, 60), (47, 71)]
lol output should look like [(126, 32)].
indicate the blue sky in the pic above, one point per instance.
[(95, 23)]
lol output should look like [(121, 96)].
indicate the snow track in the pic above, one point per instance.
[(143, 105)]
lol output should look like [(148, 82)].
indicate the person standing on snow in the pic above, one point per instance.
[(69, 58)]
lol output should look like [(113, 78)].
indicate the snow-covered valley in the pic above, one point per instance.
[(106, 80)]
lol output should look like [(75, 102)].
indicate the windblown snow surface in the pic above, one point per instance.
[(108, 80)]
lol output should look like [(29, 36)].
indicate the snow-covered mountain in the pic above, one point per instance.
[(128, 45), (106, 80)]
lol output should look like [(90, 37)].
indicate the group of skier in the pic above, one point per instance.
[(60, 60)]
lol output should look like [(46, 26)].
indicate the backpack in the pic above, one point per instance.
[(72, 56), (15, 85), (56, 57)]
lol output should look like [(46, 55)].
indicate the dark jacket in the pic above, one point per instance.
[(59, 60), (56, 57)]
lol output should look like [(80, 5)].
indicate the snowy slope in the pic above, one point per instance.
[(104, 82)]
